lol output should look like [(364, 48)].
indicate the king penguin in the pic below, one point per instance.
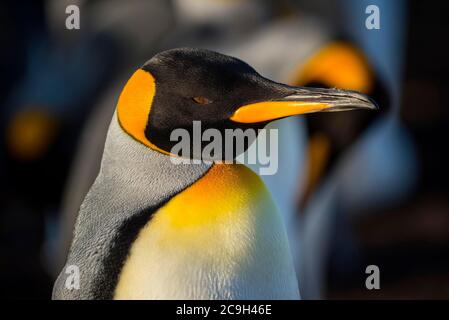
[(154, 228)]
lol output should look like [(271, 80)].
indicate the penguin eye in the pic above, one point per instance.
[(201, 100)]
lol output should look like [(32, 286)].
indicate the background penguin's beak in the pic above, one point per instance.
[(303, 100)]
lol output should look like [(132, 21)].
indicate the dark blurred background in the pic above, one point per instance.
[(369, 189)]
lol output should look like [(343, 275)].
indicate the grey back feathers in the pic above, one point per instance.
[(133, 182)]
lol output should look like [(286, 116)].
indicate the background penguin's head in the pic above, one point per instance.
[(179, 86)]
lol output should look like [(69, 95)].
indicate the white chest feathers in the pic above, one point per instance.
[(221, 238)]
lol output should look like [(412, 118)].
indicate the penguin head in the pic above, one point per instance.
[(177, 87)]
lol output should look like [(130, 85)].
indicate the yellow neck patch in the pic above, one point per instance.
[(134, 106), (223, 191)]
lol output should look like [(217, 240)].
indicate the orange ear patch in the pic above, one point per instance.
[(134, 106), (337, 65)]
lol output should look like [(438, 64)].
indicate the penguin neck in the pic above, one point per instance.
[(128, 160)]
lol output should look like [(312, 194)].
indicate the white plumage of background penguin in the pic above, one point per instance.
[(154, 228)]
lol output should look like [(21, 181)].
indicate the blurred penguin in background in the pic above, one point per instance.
[(378, 169)]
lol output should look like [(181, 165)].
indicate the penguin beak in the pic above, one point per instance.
[(303, 100)]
